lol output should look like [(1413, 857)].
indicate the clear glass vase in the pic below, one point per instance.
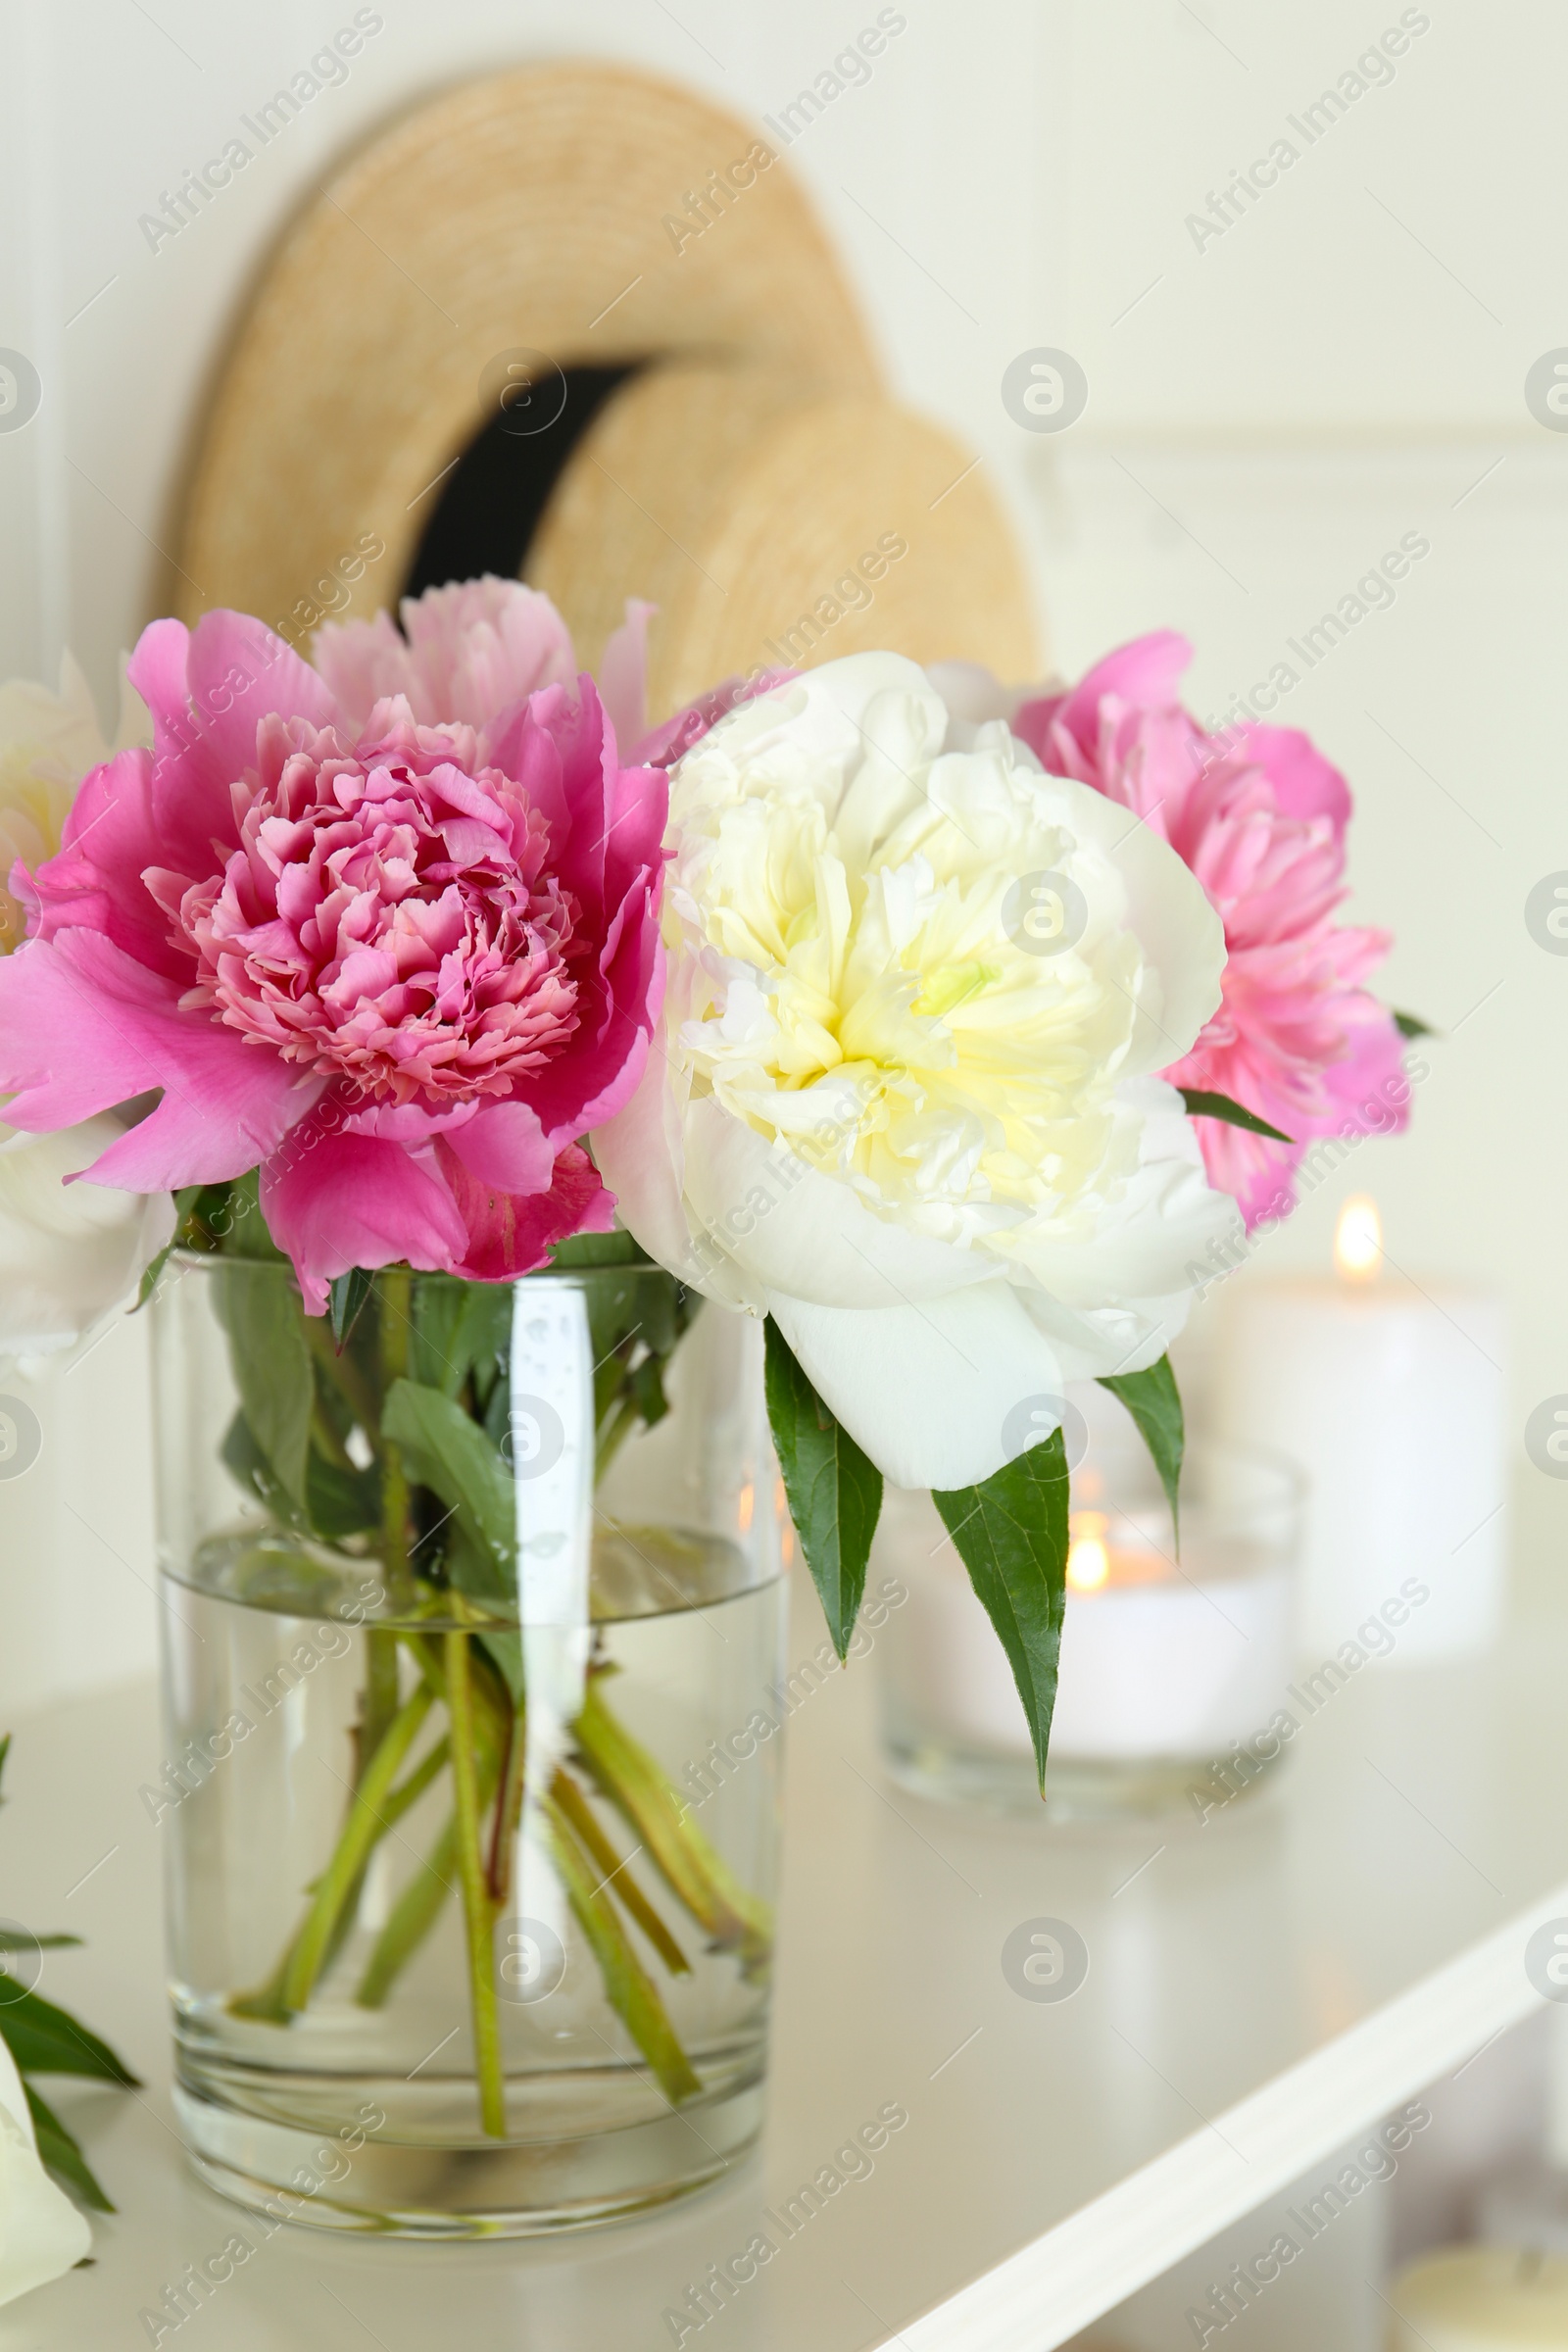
[(454, 1612)]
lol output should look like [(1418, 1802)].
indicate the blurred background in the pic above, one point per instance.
[(1272, 405)]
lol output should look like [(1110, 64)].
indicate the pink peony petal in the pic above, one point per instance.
[(503, 1145), (1259, 816), (1306, 785), (94, 881), (84, 1027), (469, 650), (509, 1236), (335, 1201), (623, 673)]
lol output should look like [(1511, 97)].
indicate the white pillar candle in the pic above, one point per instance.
[(1391, 1396), (1480, 2299)]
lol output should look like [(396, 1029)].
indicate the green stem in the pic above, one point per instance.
[(413, 1915), (477, 1910), (378, 1701), (359, 1836), (629, 1990), (508, 1809), (616, 1873), (343, 1372), (627, 1774), (396, 1296), (619, 1425)]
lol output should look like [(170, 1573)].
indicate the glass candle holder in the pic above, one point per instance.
[(1174, 1658)]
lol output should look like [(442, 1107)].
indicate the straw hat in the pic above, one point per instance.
[(712, 435)]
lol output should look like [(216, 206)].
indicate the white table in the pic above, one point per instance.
[(1259, 1988)]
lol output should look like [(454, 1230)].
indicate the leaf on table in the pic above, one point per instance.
[(1410, 1024), (14, 1939), (835, 1492), (46, 2040), (1201, 1105), (1010, 1532), (60, 2153), (1154, 1402)]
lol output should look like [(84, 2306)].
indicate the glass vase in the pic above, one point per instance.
[(1175, 1655), (456, 1598)]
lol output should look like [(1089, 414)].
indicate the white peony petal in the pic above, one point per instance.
[(798, 1232), (1181, 933), (42, 2235), (973, 694), (1145, 1243), (638, 1154), (939, 1394), (70, 1253)]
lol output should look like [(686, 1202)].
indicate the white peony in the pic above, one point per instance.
[(41, 2233), (905, 1102), (69, 1253)]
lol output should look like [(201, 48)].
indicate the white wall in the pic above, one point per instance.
[(1342, 364)]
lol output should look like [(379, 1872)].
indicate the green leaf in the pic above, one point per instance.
[(46, 2040), (251, 1470), (1154, 1402), (1203, 1105), (450, 1453), (62, 2155), (462, 1331), (263, 1315), (11, 1940), (1410, 1024), (185, 1200), (835, 1493), (346, 1295), (5, 1751), (600, 1250), (1010, 1532), (341, 1502)]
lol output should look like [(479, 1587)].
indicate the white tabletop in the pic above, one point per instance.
[(1260, 1987)]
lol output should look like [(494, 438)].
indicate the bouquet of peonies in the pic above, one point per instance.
[(943, 1028)]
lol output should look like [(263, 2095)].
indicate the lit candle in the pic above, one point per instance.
[(1480, 2299), (1390, 1395)]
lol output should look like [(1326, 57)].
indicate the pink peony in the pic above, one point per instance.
[(1259, 815), (398, 952)]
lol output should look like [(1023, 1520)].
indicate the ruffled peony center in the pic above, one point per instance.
[(880, 1006), (386, 918)]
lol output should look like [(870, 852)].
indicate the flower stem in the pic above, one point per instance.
[(628, 1988), (396, 1298), (634, 1783), (614, 1872), (413, 1915), (360, 1833), (478, 1909)]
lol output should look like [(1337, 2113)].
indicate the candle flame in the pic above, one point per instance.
[(1087, 1561), (1358, 1239)]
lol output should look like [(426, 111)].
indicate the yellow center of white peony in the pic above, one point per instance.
[(906, 968)]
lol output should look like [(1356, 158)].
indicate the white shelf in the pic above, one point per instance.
[(1259, 1988)]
